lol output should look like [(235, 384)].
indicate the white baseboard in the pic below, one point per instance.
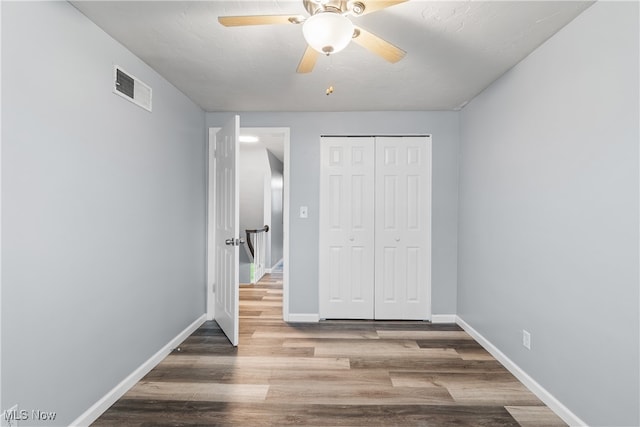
[(443, 318), (270, 270), (303, 318), (98, 408), (554, 404)]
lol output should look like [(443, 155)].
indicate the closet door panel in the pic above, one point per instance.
[(347, 228), (388, 285), (403, 228)]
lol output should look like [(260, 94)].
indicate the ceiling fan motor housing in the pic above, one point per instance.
[(336, 6)]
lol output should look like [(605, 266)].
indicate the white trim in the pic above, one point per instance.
[(270, 270), (285, 229), (554, 404), (304, 317), (443, 318), (211, 220), (98, 408)]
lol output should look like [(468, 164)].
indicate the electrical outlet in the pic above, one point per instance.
[(526, 339)]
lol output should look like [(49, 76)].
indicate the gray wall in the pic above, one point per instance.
[(548, 237), (103, 213), (275, 235), (306, 129), (253, 167)]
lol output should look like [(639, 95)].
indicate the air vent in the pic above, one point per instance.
[(129, 87)]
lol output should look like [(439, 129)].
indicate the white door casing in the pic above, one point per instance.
[(227, 230), (211, 224), (403, 228), (347, 228)]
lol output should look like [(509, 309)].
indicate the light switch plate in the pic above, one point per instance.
[(304, 212)]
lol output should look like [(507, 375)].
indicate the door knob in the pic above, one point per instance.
[(234, 242)]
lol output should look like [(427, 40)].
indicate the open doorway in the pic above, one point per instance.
[(261, 190), (263, 170)]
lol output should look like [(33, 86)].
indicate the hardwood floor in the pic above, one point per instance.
[(333, 373)]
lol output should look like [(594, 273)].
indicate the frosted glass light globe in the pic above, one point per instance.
[(328, 32)]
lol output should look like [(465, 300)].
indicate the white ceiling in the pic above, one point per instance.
[(271, 139), (454, 50)]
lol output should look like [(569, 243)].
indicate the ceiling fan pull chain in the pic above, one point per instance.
[(329, 90)]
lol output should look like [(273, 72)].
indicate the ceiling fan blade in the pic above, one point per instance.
[(378, 46), (236, 21), (375, 5), (308, 60)]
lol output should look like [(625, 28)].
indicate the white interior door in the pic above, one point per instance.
[(227, 230), (346, 228), (403, 228)]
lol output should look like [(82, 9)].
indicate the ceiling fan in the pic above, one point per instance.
[(328, 29)]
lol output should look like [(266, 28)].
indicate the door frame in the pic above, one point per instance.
[(210, 215)]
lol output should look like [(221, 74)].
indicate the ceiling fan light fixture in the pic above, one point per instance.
[(249, 139), (328, 32)]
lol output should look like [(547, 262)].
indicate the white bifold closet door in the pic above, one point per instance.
[(375, 228), (347, 228), (403, 228)]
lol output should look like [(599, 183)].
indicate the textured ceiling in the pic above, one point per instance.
[(454, 51)]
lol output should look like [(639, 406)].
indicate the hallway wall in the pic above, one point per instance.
[(103, 213), (548, 234), (275, 235)]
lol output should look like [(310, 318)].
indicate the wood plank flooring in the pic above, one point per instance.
[(333, 373)]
